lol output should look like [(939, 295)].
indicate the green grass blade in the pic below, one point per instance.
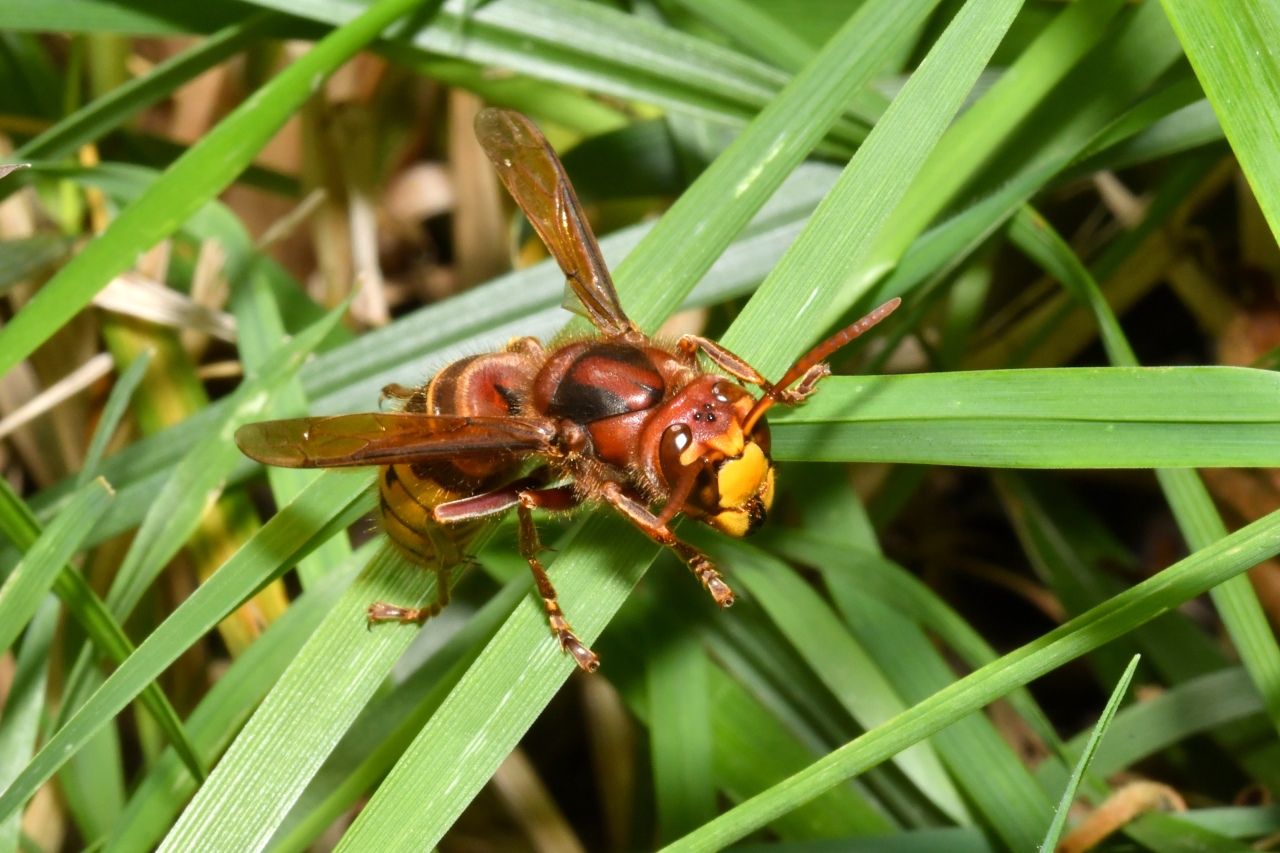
[(808, 285), (183, 499), (205, 468), (26, 257), (737, 184), (322, 510), (20, 724), (17, 522), (260, 331), (1186, 579), (680, 732), (385, 729), (976, 136), (502, 693), (757, 30), (851, 574), (112, 413), (1095, 739), (102, 115), (754, 750), (1052, 418), (27, 585), (838, 657), (1232, 49), (200, 174), (1164, 721), (304, 716), (1197, 517), (223, 711)]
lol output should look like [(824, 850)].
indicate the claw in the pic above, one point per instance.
[(587, 660), (380, 611)]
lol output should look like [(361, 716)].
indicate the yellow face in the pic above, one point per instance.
[(745, 486)]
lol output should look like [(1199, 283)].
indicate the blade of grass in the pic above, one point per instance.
[(680, 732), (260, 331), (837, 656), (1050, 842), (851, 574), (112, 413), (20, 724), (1054, 418), (224, 710), (1164, 721), (245, 798), (204, 171), (18, 523), (26, 586), (1192, 506), (324, 509), (806, 286), (177, 508), (1186, 579), (976, 136), (102, 115), (377, 739), (735, 186), (1232, 49)]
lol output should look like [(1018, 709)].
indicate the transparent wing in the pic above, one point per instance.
[(384, 438), (535, 178)]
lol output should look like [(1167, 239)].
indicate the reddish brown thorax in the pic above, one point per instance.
[(609, 388)]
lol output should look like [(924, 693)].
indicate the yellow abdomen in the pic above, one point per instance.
[(406, 498)]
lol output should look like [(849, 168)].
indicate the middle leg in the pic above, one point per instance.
[(562, 498)]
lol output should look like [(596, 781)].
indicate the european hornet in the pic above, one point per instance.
[(620, 418)]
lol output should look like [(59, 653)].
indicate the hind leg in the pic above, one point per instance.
[(530, 547), (381, 611)]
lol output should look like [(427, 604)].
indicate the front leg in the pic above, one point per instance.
[(639, 515), (722, 358)]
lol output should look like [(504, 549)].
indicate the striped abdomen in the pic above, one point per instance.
[(483, 385)]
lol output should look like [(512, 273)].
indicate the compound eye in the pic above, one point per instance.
[(675, 440)]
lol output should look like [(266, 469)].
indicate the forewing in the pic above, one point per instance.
[(532, 173), (384, 438)]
